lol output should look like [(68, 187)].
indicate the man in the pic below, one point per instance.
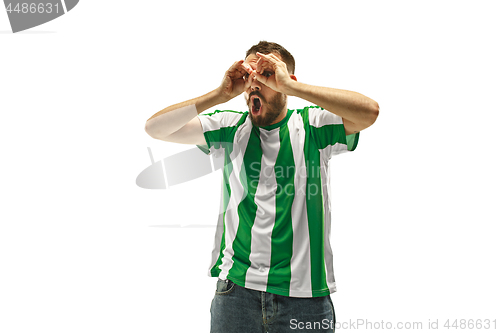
[(272, 251)]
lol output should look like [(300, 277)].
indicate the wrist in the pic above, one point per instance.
[(209, 100), (220, 96), (293, 88)]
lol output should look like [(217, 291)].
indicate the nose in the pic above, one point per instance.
[(255, 85)]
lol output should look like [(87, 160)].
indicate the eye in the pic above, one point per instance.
[(245, 76), (268, 74)]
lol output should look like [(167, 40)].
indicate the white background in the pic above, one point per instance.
[(415, 221)]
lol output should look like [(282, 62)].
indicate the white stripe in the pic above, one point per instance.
[(331, 150), (300, 264), (241, 136), (335, 149), (210, 123), (218, 232), (320, 117), (265, 217), (219, 120), (325, 184)]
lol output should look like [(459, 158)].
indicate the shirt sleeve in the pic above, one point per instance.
[(218, 128), (328, 132)]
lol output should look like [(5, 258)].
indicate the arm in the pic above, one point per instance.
[(179, 122), (357, 111)]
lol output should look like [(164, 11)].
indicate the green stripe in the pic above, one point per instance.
[(331, 134), (224, 134), (217, 111), (228, 168), (226, 173), (282, 235), (315, 213), (247, 208), (334, 133), (352, 141), (328, 135)]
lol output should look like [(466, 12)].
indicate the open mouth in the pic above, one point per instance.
[(256, 105)]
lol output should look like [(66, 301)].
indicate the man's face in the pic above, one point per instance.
[(266, 106)]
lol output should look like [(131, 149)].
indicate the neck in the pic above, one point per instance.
[(280, 118), (282, 114)]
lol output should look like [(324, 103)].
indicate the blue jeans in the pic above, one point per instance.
[(236, 309)]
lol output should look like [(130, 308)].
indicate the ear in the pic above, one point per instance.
[(293, 77)]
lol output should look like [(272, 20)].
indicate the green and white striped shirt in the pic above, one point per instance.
[(273, 232)]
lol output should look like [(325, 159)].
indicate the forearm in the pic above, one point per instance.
[(172, 118), (202, 103), (349, 105)]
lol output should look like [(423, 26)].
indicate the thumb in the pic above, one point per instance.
[(261, 78), (248, 83), (226, 82)]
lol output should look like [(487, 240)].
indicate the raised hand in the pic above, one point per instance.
[(235, 80), (272, 72)]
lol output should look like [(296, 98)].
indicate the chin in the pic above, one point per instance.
[(257, 120)]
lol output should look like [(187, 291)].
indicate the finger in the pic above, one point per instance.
[(262, 65), (260, 78), (273, 56), (258, 65), (271, 64), (228, 83), (270, 56), (236, 64), (262, 55), (278, 62), (271, 59), (247, 68), (234, 67), (248, 83), (250, 78)]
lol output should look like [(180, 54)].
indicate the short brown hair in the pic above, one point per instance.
[(268, 47)]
